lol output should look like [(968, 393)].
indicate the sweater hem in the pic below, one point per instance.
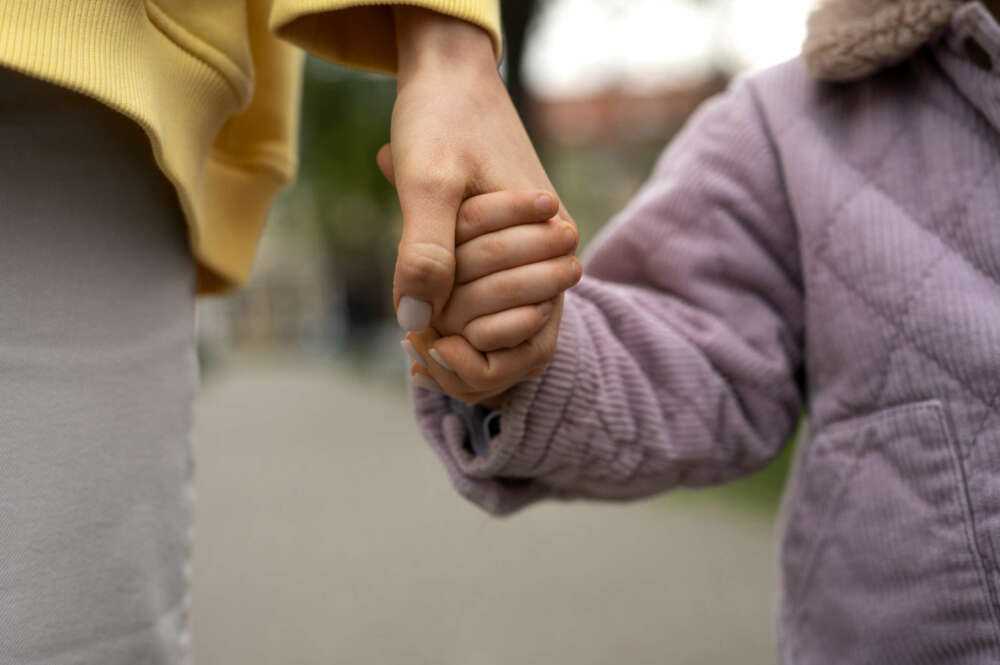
[(368, 39), (116, 54)]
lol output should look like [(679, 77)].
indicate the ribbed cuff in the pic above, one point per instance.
[(535, 432), (362, 33), (446, 433), (137, 60)]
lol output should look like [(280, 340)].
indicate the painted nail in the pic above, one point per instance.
[(426, 383), (545, 309), (413, 315), (439, 360), (412, 352), (543, 203)]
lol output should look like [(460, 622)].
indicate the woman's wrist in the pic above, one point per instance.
[(428, 41)]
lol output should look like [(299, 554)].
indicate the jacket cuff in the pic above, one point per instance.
[(362, 33), (534, 449)]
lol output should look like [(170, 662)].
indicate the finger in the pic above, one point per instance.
[(438, 373), (411, 353), (498, 210), (415, 345), (435, 373), (425, 265), (512, 247), (516, 287), (384, 160), (421, 379), (505, 330), (498, 370)]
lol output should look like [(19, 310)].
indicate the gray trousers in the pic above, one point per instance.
[(97, 378)]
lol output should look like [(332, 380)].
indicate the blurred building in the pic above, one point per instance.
[(290, 299), (621, 116)]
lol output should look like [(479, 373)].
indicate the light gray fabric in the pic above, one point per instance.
[(97, 377)]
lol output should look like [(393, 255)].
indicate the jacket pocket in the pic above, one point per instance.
[(878, 558)]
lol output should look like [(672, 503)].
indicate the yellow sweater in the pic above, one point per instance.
[(215, 84)]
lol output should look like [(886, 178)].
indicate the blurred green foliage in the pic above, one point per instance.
[(345, 120), (596, 182), (341, 200), (763, 490)]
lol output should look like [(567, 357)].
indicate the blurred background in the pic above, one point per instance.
[(325, 529)]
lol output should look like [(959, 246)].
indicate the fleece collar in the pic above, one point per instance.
[(850, 39)]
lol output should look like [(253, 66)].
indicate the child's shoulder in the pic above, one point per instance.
[(777, 97), (788, 95)]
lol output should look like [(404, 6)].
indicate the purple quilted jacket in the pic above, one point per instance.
[(833, 247)]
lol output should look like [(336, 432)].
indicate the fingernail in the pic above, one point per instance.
[(577, 268), (570, 232), (413, 315), (426, 383), (543, 203), (439, 360), (545, 309), (412, 352)]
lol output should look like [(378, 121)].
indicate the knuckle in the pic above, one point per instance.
[(494, 249), (485, 335), (543, 348), (568, 239), (425, 263), (479, 336), (481, 379), (494, 377), (470, 216), (434, 180), (555, 240)]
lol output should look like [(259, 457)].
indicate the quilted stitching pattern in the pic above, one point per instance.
[(901, 262), (945, 232)]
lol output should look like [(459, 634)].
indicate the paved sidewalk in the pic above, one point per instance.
[(326, 533)]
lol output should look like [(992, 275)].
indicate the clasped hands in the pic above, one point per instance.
[(514, 259), (486, 249)]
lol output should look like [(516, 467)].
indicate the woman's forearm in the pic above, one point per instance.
[(429, 41)]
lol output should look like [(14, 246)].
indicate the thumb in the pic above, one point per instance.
[(425, 265), (384, 160)]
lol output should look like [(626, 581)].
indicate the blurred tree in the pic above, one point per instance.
[(341, 198), (517, 15)]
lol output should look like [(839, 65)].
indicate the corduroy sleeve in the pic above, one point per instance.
[(361, 33), (679, 350)]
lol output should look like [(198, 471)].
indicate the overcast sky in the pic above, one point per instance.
[(581, 45)]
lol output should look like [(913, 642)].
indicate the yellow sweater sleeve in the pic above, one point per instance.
[(361, 33), (253, 156)]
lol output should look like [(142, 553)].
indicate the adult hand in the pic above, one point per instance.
[(455, 133)]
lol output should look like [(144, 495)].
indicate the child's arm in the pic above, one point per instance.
[(678, 353)]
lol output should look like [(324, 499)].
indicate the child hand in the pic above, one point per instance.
[(513, 262)]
